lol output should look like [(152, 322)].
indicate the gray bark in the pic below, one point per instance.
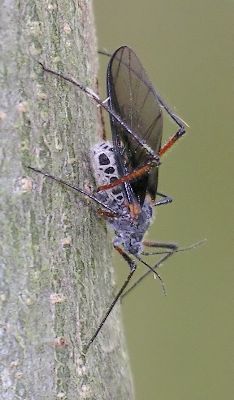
[(56, 274)]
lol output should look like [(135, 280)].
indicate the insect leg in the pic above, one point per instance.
[(77, 189), (155, 273), (170, 249), (162, 259), (132, 266), (165, 200), (105, 53), (179, 133), (174, 117), (154, 157), (129, 177), (171, 141)]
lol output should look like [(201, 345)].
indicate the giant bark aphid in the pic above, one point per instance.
[(126, 169)]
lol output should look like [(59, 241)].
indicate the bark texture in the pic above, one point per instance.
[(56, 278)]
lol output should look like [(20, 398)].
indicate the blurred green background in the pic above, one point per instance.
[(182, 346)]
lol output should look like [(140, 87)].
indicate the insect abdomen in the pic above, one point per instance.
[(105, 169)]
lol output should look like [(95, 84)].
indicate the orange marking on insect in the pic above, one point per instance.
[(167, 146), (133, 175), (134, 209), (106, 214), (120, 251)]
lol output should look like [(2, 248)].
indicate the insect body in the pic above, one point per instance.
[(129, 230)]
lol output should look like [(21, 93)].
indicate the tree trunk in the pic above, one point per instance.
[(56, 274)]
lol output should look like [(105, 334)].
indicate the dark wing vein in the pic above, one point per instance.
[(134, 99)]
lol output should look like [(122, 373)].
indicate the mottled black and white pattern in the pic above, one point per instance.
[(129, 231), (105, 169)]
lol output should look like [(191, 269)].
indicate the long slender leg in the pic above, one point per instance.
[(132, 266), (165, 200), (129, 177), (162, 259), (181, 131), (150, 269), (77, 189), (171, 248), (104, 53), (154, 157), (171, 141)]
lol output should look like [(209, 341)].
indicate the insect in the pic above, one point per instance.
[(126, 169)]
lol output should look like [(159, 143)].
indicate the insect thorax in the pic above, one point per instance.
[(129, 232)]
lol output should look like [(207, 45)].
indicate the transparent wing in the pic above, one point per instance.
[(132, 96)]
